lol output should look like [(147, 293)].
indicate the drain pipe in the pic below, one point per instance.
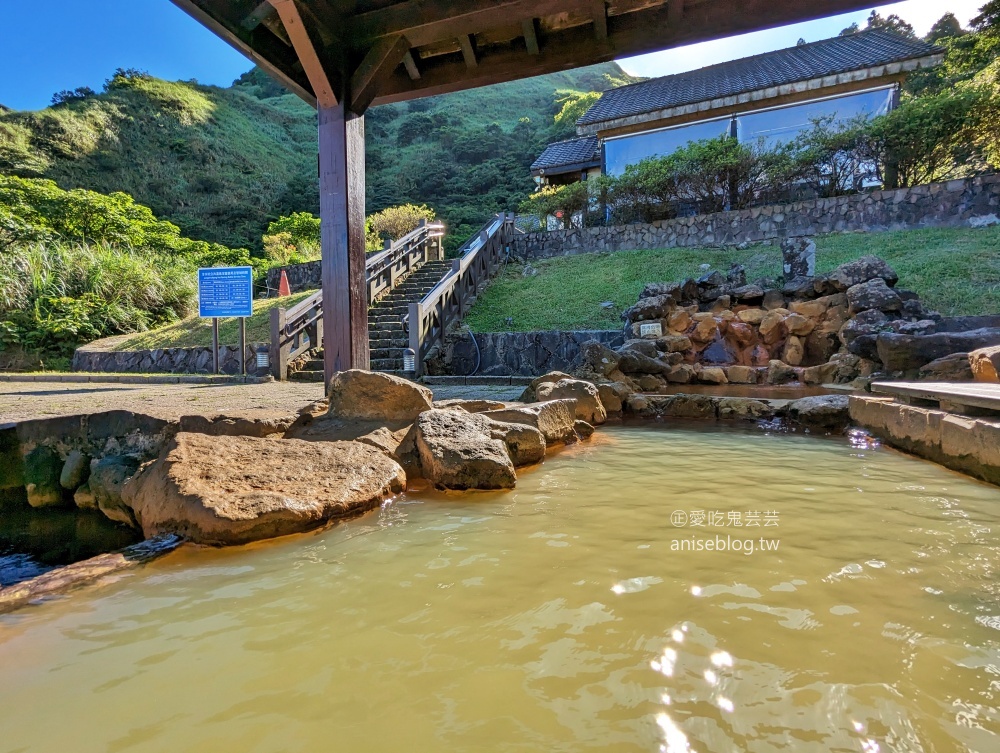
[(479, 355)]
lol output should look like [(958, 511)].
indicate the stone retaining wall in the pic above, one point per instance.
[(962, 443), (516, 353), (166, 360), (957, 203), (307, 276)]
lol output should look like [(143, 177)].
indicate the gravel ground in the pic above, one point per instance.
[(21, 401)]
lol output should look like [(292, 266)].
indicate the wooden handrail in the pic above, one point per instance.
[(300, 328), (444, 306)]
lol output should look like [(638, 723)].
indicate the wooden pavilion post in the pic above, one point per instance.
[(342, 237)]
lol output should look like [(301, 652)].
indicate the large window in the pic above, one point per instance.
[(772, 127), (619, 153), (779, 126)]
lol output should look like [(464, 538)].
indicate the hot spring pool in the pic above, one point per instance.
[(558, 617)]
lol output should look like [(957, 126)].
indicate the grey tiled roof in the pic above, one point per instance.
[(579, 151), (828, 57)]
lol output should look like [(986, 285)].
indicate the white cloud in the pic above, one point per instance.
[(920, 13)]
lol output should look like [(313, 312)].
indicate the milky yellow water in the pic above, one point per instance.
[(557, 617)]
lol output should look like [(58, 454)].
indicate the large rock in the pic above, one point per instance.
[(525, 444), (553, 418), (528, 396), (233, 490), (798, 257), (985, 364), (872, 295), (588, 400), (612, 395), (42, 468), (653, 307), (647, 348), (472, 405), (108, 477), (461, 451), (372, 396), (75, 470), (909, 352), (684, 405), (866, 323), (953, 368), (597, 358), (820, 411), (862, 270), (744, 409), (673, 343), (633, 362)]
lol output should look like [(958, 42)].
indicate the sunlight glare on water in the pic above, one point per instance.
[(557, 617)]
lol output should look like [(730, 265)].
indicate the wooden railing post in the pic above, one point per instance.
[(278, 355)]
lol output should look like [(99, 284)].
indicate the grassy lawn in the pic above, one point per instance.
[(955, 271), (194, 332)]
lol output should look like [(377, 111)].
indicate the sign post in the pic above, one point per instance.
[(226, 292)]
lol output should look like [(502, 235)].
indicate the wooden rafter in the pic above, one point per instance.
[(600, 14), (468, 51), (427, 21), (411, 66), (279, 64), (530, 35), (375, 69), (288, 10), (675, 12), (632, 34)]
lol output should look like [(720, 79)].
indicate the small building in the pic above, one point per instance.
[(770, 98), (568, 161)]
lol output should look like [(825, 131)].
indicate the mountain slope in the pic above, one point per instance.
[(223, 162)]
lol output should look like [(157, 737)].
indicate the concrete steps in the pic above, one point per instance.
[(387, 337)]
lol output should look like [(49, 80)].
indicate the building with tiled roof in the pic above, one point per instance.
[(767, 98), (568, 161)]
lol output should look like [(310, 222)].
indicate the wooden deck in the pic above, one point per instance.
[(948, 395)]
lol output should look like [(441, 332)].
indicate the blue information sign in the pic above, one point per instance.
[(225, 292)]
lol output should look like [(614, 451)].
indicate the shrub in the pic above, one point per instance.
[(54, 296), (393, 223)]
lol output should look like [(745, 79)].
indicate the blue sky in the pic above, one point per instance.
[(49, 45)]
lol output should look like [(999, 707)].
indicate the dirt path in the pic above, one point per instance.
[(21, 401)]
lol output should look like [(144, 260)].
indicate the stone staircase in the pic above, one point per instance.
[(387, 338)]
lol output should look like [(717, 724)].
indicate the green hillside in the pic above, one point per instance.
[(223, 162)]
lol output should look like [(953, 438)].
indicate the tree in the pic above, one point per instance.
[(988, 20), (572, 105), (852, 29), (892, 23), (71, 95), (946, 27), (393, 223), (931, 138), (293, 239)]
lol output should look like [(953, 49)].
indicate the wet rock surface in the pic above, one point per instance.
[(233, 490)]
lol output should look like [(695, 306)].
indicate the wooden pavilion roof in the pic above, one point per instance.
[(366, 52)]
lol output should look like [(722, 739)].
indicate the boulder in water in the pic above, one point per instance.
[(372, 396), (234, 490)]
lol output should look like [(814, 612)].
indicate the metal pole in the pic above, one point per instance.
[(215, 345), (243, 345)]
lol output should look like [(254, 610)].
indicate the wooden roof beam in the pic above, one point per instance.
[(288, 10), (600, 13), (530, 35), (675, 11), (278, 63), (427, 21), (468, 52), (631, 34), (411, 66), (382, 59)]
